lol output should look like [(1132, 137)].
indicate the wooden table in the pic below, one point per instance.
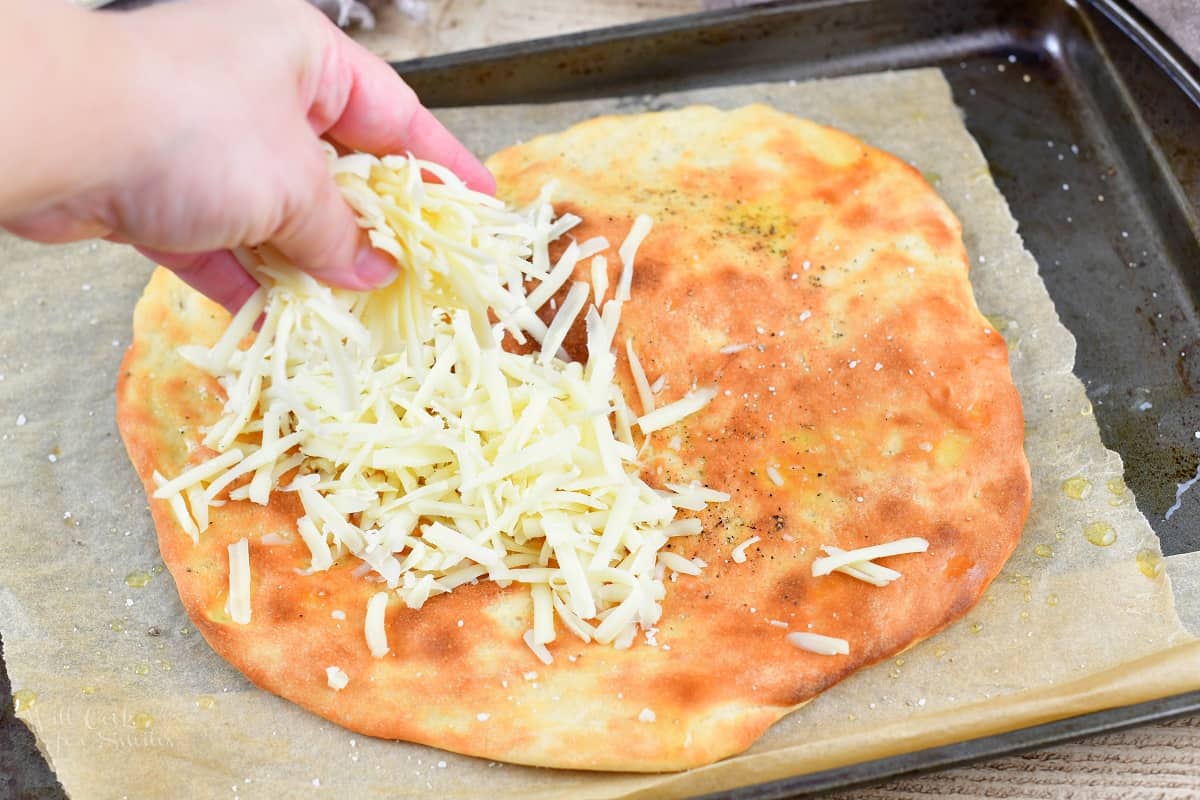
[(1156, 761)]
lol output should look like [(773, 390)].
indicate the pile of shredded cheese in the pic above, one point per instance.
[(419, 446)]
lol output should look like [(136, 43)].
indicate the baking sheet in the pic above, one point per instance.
[(126, 699)]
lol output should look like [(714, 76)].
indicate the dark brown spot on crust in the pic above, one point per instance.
[(792, 589)]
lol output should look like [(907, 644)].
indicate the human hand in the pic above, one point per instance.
[(212, 141)]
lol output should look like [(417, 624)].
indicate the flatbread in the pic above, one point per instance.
[(870, 387)]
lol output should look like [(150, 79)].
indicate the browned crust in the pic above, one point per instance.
[(746, 192)]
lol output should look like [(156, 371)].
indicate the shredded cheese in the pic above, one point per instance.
[(374, 628), (239, 582), (336, 678), (563, 320), (198, 473), (416, 444), (671, 413), (537, 648), (599, 278), (694, 496), (179, 510), (639, 378), (856, 558), (865, 571), (197, 505), (677, 563), (821, 645), (637, 234), (739, 553), (773, 474)]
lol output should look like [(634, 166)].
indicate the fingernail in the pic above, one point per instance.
[(374, 268)]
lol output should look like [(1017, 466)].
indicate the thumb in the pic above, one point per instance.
[(320, 236)]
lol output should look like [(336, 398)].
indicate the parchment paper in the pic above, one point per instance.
[(128, 701)]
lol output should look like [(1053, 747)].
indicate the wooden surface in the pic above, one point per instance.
[(1154, 762)]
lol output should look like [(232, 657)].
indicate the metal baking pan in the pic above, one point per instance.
[(1087, 114), (1110, 109)]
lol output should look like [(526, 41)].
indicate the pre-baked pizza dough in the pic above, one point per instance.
[(821, 286)]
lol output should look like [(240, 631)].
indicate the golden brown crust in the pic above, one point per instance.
[(872, 384)]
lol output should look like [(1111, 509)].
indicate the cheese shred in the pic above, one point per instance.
[(739, 553), (865, 571), (374, 626), (821, 645), (838, 559), (639, 378), (336, 678), (179, 510), (675, 412), (239, 582)]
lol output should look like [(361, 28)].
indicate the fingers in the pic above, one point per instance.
[(380, 114), (56, 225), (320, 236), (360, 102), (426, 135), (216, 274)]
